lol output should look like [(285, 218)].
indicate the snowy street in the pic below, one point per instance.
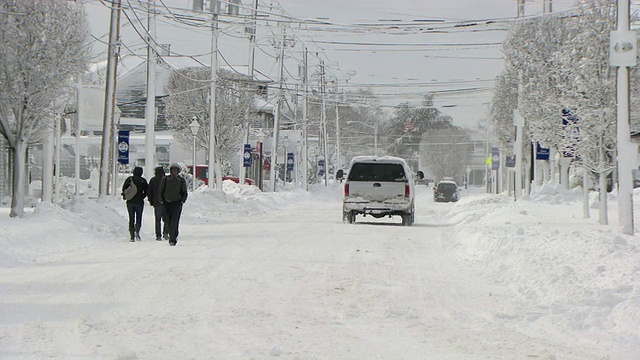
[(279, 275)]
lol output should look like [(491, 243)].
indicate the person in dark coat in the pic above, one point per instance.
[(135, 206), (153, 195), (173, 194)]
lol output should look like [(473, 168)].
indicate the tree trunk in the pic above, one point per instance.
[(604, 216), (585, 193), (17, 197)]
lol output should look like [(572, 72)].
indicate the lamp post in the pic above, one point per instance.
[(195, 126), (375, 133)]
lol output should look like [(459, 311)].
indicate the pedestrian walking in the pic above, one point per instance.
[(134, 190), (153, 195), (173, 194)]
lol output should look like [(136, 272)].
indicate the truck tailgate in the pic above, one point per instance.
[(376, 191)]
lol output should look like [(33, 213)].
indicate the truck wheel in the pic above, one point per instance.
[(407, 219), (350, 216)]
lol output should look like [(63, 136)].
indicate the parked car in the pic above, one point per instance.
[(202, 174), (379, 186), (447, 190), (236, 180)]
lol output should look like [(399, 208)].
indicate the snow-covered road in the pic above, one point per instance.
[(292, 282)]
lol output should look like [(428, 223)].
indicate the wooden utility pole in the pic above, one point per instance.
[(305, 120), (150, 110), (323, 122), (110, 97), (276, 117), (215, 178)]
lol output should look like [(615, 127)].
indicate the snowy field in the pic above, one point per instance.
[(278, 275)]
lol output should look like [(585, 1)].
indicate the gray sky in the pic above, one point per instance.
[(387, 46)]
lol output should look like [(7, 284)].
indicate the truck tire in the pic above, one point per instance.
[(407, 219)]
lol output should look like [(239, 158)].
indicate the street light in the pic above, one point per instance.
[(195, 126), (375, 133)]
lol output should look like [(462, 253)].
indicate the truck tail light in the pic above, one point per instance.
[(407, 190), (346, 189)]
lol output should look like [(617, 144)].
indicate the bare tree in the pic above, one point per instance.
[(44, 46), (189, 96)]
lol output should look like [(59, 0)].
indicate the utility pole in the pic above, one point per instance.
[(150, 110), (547, 7), (110, 97), (276, 117), (305, 120), (623, 54), (323, 122), (521, 8), (338, 162), (215, 178), (78, 127), (252, 51)]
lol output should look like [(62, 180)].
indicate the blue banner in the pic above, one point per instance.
[(542, 153), (495, 158), (123, 146), (290, 161), (510, 161), (247, 155), (321, 167)]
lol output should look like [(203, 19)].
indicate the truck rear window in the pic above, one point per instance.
[(377, 172)]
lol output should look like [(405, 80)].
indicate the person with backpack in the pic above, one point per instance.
[(134, 190), (173, 194), (153, 195)]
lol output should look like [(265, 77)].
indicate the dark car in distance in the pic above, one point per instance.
[(446, 191)]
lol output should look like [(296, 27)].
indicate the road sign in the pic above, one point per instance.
[(123, 146)]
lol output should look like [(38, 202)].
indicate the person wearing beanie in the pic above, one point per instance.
[(135, 201), (153, 195), (173, 194)]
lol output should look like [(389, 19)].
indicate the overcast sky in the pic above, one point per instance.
[(387, 46)]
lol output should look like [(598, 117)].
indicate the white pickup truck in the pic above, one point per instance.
[(379, 186)]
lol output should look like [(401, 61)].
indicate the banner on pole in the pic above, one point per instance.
[(123, 146), (247, 155)]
